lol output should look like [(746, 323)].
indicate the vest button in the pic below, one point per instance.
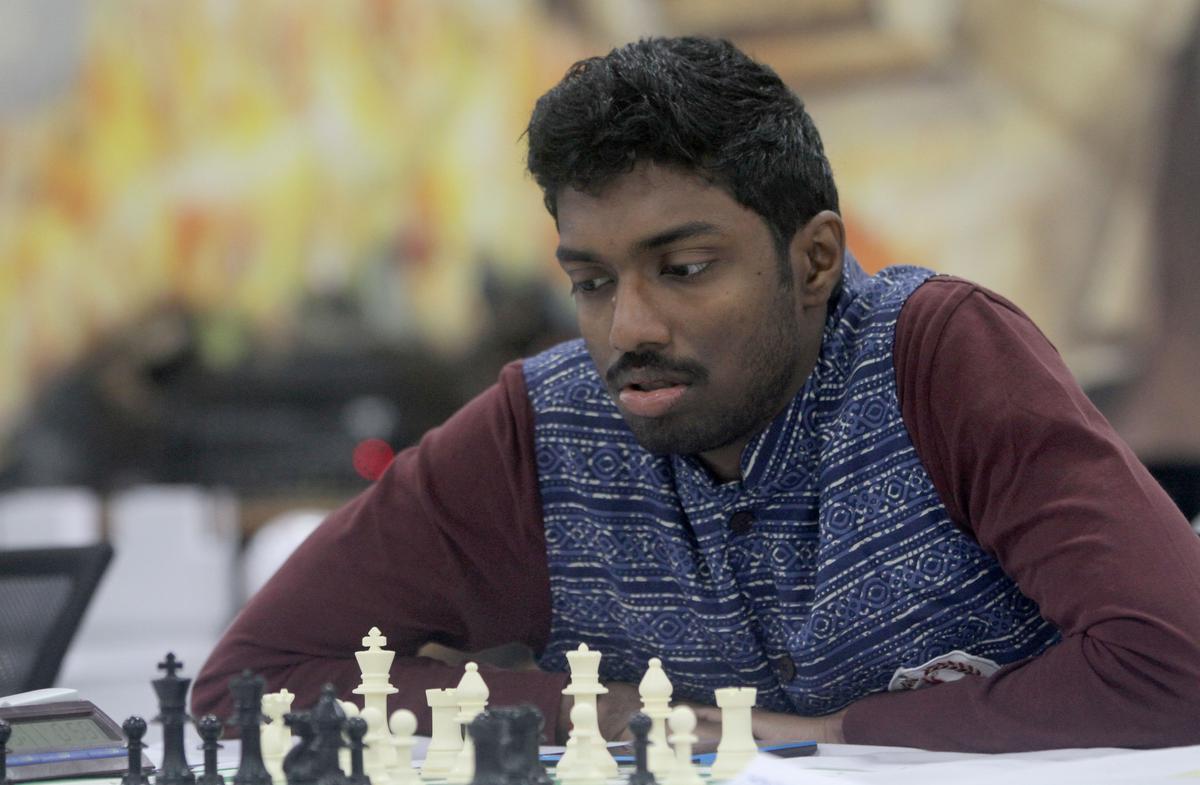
[(741, 521), (785, 668)]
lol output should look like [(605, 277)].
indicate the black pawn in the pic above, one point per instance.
[(488, 731), (300, 762), (247, 692), (356, 728), (135, 729), (639, 726), (328, 721), (5, 733), (210, 731), (172, 713)]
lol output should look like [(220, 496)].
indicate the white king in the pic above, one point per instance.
[(375, 664)]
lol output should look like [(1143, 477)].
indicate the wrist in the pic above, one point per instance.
[(832, 728)]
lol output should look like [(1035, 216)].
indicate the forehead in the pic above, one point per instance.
[(644, 201)]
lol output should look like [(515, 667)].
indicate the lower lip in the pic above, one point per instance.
[(651, 403)]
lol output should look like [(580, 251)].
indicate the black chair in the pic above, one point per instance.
[(43, 594)]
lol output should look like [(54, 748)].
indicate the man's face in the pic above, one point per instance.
[(681, 302)]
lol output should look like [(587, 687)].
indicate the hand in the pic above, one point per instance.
[(774, 726), (614, 709)]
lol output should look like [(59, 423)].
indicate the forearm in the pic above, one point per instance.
[(1081, 693)]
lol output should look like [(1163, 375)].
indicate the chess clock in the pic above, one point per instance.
[(65, 739)]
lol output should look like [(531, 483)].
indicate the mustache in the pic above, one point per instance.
[(653, 361)]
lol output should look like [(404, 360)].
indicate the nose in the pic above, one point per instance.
[(638, 322)]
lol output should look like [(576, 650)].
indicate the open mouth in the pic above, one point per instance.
[(651, 398), (651, 386)]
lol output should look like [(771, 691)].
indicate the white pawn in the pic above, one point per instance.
[(737, 747), (403, 725), (587, 768), (350, 709), (446, 739), (683, 722), (472, 696), (276, 736), (655, 689), (377, 744)]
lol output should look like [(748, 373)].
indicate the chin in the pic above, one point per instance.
[(662, 438)]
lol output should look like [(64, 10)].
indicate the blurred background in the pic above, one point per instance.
[(237, 239)]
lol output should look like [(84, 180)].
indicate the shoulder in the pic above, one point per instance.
[(948, 321), (945, 301)]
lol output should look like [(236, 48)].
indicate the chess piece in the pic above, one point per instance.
[(350, 709), (375, 761), (375, 663), (209, 728), (300, 763), (656, 690), (446, 739), (356, 729), (472, 695), (683, 723), (328, 721), (247, 717), (135, 729), (275, 736), (737, 747), (639, 726), (403, 725), (6, 733), (487, 734), (585, 688), (520, 761), (586, 769), (172, 714)]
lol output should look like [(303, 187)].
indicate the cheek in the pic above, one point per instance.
[(593, 318), (594, 328)]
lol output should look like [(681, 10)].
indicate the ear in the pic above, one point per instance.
[(817, 251)]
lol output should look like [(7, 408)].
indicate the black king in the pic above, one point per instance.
[(172, 708)]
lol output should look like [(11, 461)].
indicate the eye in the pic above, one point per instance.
[(589, 285), (685, 270)]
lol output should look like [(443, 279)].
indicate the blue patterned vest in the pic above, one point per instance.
[(850, 569)]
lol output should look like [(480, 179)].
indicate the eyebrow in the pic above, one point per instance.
[(665, 237)]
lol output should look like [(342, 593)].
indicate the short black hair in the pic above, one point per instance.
[(696, 103)]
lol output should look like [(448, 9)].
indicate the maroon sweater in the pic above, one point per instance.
[(448, 546)]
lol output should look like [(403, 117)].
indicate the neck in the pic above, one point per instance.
[(725, 463)]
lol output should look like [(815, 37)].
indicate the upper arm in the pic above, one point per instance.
[(447, 545), (1025, 462)]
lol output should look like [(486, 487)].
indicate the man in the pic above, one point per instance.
[(760, 465)]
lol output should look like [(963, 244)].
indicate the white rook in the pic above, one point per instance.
[(737, 747), (446, 739)]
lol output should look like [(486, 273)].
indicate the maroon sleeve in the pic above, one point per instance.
[(447, 546), (1023, 461)]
